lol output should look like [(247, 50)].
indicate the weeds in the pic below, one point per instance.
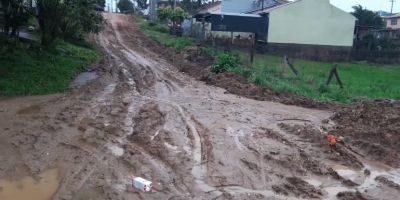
[(160, 33), (225, 62), (35, 72)]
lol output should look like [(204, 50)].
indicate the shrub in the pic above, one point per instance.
[(225, 62)]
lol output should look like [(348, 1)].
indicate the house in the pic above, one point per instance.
[(212, 7), (246, 6), (309, 22), (303, 28), (392, 21)]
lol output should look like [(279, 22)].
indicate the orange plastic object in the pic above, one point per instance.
[(332, 140)]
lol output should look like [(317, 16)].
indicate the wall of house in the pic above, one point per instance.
[(237, 6), (388, 22), (244, 6), (311, 22)]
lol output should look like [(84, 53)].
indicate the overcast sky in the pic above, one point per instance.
[(346, 5), (374, 5)]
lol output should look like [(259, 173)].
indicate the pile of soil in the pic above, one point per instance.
[(315, 136), (191, 61), (373, 128)]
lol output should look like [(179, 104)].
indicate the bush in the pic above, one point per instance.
[(225, 62), (209, 52), (157, 27)]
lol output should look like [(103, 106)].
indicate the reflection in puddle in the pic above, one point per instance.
[(28, 188), (367, 182)]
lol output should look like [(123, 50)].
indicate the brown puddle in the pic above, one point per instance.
[(28, 188)]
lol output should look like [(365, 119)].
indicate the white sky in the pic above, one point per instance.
[(346, 5), (374, 5)]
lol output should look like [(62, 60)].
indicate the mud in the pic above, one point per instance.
[(389, 183), (372, 129), (143, 117), (236, 84), (298, 187)]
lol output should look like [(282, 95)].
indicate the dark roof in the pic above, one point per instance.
[(397, 15), (235, 22)]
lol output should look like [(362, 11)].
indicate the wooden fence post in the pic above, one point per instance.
[(332, 73), (287, 63)]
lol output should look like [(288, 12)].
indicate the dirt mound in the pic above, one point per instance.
[(297, 187), (352, 196), (238, 85), (339, 154), (197, 65), (373, 128)]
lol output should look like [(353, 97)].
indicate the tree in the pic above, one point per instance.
[(50, 16), (15, 14), (142, 4), (189, 6), (81, 19), (367, 18), (174, 15), (125, 6), (71, 19)]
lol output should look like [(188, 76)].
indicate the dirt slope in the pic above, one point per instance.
[(142, 117)]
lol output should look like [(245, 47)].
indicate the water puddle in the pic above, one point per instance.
[(366, 181), (28, 188), (115, 150), (83, 79)]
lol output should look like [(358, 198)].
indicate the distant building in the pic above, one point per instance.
[(303, 28), (383, 13), (210, 8), (245, 6), (310, 22), (392, 21)]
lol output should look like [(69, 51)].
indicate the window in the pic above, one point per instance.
[(393, 21)]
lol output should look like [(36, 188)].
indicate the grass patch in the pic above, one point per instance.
[(38, 72), (361, 80), (160, 33)]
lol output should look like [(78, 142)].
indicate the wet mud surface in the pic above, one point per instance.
[(143, 117)]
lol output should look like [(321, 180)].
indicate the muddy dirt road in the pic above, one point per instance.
[(142, 117)]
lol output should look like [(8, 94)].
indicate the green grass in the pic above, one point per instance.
[(160, 33), (361, 80), (37, 72)]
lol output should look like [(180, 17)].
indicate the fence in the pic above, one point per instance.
[(383, 56)]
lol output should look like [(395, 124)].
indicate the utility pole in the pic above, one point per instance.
[(391, 10), (153, 10), (262, 5)]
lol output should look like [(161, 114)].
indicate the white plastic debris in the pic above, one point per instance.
[(142, 184)]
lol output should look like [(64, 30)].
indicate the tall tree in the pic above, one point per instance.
[(142, 4), (80, 19), (70, 19), (125, 6), (15, 14), (367, 17), (51, 14)]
